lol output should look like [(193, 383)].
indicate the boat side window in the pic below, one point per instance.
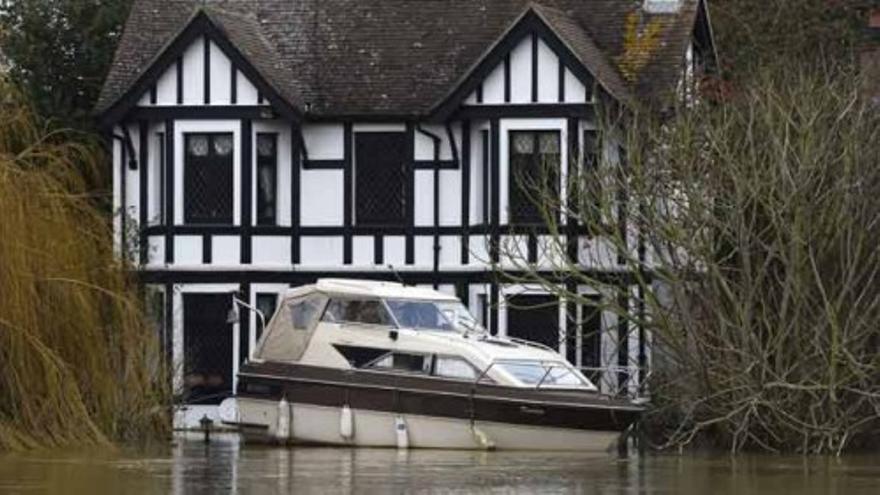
[(400, 361), (453, 367), (371, 312), (303, 312)]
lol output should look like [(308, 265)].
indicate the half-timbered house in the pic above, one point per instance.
[(262, 144)]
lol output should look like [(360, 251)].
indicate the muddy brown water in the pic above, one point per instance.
[(225, 466)]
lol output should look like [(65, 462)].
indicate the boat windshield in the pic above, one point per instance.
[(545, 374), (420, 315), (458, 314)]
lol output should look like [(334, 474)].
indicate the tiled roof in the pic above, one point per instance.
[(401, 57)]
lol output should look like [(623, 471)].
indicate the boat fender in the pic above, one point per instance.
[(346, 422), (402, 433), (482, 439), (282, 428)]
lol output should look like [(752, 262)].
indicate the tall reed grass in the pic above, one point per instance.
[(79, 362)]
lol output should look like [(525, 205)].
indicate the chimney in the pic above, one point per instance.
[(662, 6)]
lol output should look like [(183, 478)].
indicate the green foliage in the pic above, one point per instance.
[(59, 52)]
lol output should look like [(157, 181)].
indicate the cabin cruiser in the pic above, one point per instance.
[(380, 364)]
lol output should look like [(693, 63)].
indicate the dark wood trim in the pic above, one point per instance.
[(296, 147), (207, 69), (143, 195), (532, 248), (354, 230), (201, 25), (207, 249), (529, 24), (411, 277), (247, 170), (180, 79), (527, 110), (573, 171), (465, 190), (494, 299), (432, 164), (495, 164), (213, 112), (378, 249), (233, 84), (324, 164), (534, 68), (153, 95), (169, 189), (561, 97), (348, 190), (479, 93), (410, 196), (507, 89), (623, 341)]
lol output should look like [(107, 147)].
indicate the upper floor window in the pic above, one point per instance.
[(267, 178), (208, 171), (533, 178), (381, 177)]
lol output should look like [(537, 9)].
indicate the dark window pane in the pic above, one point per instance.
[(381, 177), (533, 183), (398, 361), (534, 318), (207, 348), (266, 303), (357, 311), (208, 193), (267, 178)]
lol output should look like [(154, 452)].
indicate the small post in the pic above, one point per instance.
[(207, 424)]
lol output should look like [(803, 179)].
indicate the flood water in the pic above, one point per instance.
[(226, 467)]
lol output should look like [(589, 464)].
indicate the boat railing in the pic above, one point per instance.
[(621, 381)]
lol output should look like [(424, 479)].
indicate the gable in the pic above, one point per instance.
[(531, 72), (183, 72), (207, 76)]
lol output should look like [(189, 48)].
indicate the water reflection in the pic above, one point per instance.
[(225, 467)]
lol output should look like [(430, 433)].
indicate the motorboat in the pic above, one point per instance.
[(381, 364)]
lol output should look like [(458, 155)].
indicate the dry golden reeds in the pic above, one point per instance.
[(79, 362)]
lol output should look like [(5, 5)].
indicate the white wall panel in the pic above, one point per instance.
[(166, 87), (321, 251), (154, 176), (575, 92), (424, 200), (246, 92), (450, 250), (194, 73), (493, 86), (155, 250), (322, 200), (521, 72), (362, 250), (394, 248), (548, 74), (221, 85), (270, 250), (450, 197), (424, 250), (225, 250), (188, 249), (479, 250), (324, 141)]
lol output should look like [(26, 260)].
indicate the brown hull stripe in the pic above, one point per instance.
[(429, 396)]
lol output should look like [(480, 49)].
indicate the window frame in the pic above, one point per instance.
[(514, 189), (270, 162), (407, 183), (191, 162), (392, 321)]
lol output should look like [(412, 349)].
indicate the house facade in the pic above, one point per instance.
[(260, 145)]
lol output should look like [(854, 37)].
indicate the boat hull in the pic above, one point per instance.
[(310, 405)]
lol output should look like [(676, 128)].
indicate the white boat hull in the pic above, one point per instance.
[(313, 424)]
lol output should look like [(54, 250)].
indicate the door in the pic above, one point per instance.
[(534, 318), (207, 347)]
